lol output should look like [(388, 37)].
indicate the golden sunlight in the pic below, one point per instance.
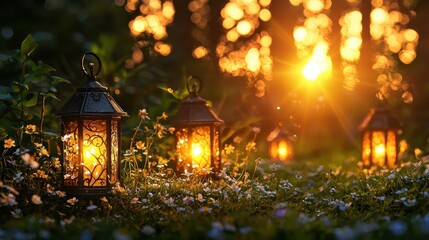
[(311, 71)]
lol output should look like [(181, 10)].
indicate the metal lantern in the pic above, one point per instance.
[(91, 135), (197, 134), (280, 145), (379, 138)]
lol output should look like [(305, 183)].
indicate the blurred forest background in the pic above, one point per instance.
[(323, 115)]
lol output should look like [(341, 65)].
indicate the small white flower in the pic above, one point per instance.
[(18, 178), (35, 199), (404, 190), (391, 176), (147, 230), (409, 202), (72, 201), (91, 207), (382, 198), (200, 198)]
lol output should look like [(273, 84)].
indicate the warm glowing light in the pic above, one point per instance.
[(137, 56), (311, 39), (138, 25), (410, 35), (265, 3), (200, 52), (242, 50), (265, 15), (380, 150), (154, 17), (163, 48), (311, 71), (233, 11), (232, 35), (168, 10), (252, 60), (300, 34), (196, 150), (244, 27), (228, 23), (315, 5), (282, 150), (379, 16), (266, 41)]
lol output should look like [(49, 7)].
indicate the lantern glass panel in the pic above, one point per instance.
[(283, 150), (216, 147), (280, 149), (200, 148), (194, 149), (94, 153), (71, 154), (391, 148), (378, 146), (366, 148), (114, 152)]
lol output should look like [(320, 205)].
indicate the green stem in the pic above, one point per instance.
[(42, 113), (135, 133)]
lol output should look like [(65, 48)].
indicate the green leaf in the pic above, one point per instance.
[(31, 99), (57, 80), (51, 95), (50, 135), (42, 69), (28, 45), (5, 96), (15, 88), (5, 90)]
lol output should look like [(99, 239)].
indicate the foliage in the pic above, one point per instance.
[(25, 88)]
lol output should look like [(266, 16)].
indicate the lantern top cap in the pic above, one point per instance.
[(379, 118), (92, 98), (91, 67), (194, 109), (280, 132)]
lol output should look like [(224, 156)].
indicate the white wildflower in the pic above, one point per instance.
[(91, 207), (147, 230), (35, 199)]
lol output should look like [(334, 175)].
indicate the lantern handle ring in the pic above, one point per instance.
[(194, 84), (91, 74)]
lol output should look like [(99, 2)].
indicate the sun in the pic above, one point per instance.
[(311, 71)]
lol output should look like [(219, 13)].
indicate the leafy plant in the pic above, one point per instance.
[(26, 86)]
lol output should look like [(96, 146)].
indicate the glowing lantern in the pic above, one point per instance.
[(379, 138), (91, 135), (280, 144), (197, 135)]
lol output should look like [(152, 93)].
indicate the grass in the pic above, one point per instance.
[(295, 201), (326, 198)]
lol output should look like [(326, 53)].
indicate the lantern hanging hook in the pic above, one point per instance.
[(194, 85), (91, 65)]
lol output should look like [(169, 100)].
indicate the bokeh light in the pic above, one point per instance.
[(311, 39), (244, 50), (388, 30), (149, 26)]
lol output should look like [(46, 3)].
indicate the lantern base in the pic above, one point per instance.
[(87, 193)]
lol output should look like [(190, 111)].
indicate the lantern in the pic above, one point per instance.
[(280, 144), (91, 135), (379, 138), (197, 134)]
